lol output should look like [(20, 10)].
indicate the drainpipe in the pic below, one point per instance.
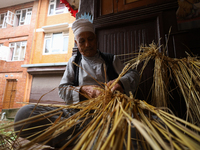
[(34, 36), (29, 77)]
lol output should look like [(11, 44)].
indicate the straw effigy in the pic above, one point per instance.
[(115, 121)]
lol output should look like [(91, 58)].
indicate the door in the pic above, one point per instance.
[(10, 92)]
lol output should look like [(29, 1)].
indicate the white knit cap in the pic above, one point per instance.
[(82, 25)]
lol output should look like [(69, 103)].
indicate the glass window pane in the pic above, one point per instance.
[(51, 11), (47, 46), (59, 5), (18, 11), (24, 43), (1, 18), (17, 20), (23, 15), (65, 44), (4, 25), (17, 49), (15, 58), (11, 53), (56, 39), (22, 53), (12, 44), (28, 18), (21, 23), (30, 9)]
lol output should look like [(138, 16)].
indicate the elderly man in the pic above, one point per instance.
[(81, 80), (91, 62)]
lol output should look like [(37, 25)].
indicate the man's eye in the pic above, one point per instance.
[(90, 39), (81, 41)]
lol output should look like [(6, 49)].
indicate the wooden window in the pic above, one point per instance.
[(10, 92)]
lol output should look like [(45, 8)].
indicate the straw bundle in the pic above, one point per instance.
[(185, 72), (115, 121), (124, 122)]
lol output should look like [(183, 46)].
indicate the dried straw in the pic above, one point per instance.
[(116, 121), (185, 72)]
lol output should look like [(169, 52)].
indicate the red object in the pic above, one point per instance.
[(71, 10)]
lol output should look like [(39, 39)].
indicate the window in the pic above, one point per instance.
[(17, 51), (55, 43), (55, 7), (3, 20), (23, 17), (20, 17)]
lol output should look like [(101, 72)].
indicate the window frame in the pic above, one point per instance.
[(27, 15), (49, 36), (11, 17), (65, 10), (22, 43), (4, 24)]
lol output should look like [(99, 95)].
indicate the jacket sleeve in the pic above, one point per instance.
[(130, 80), (66, 91)]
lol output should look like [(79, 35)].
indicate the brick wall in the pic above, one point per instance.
[(13, 69)]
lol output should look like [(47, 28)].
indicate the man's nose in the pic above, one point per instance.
[(87, 43)]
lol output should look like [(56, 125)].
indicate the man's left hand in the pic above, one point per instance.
[(117, 86)]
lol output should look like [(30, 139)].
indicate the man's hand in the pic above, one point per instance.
[(90, 90), (117, 86)]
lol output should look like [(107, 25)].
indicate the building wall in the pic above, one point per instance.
[(45, 20), (13, 69), (37, 56), (34, 51)]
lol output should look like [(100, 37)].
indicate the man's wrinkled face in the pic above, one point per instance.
[(86, 43)]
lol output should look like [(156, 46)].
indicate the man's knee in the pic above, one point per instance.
[(23, 113)]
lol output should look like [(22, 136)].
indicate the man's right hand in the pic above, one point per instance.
[(90, 90)]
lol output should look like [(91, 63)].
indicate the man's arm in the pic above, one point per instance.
[(129, 81), (68, 92)]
